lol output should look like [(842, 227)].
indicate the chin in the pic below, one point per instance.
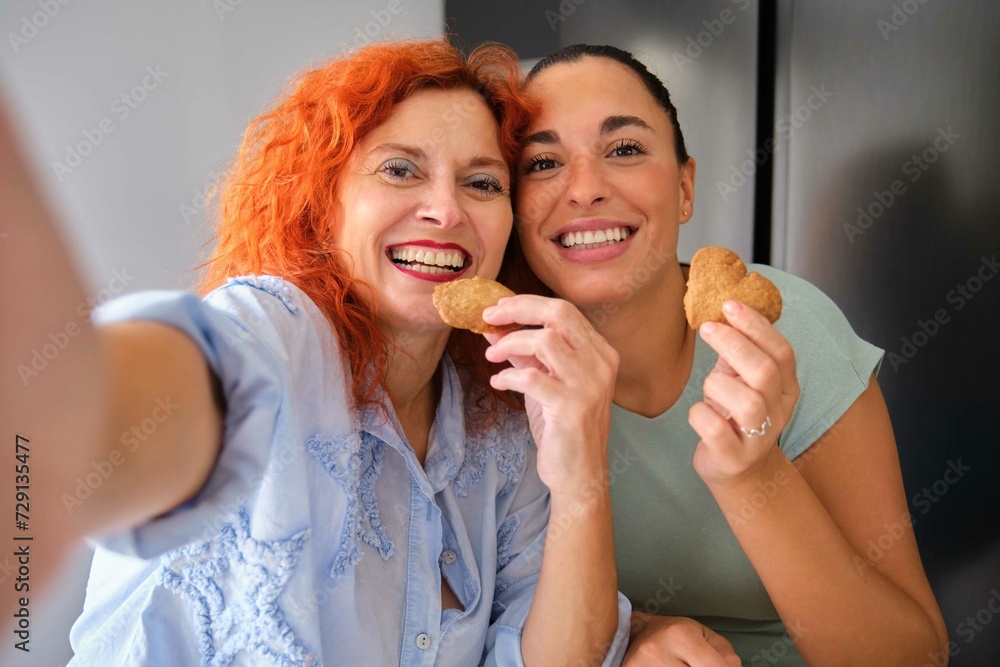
[(592, 289)]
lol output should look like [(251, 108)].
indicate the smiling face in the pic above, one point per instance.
[(425, 199), (600, 191)]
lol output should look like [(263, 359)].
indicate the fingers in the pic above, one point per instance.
[(700, 653), (753, 365), (534, 382), (679, 641), (533, 310), (566, 344), (769, 340), (736, 400), (721, 439), (722, 647), (514, 360)]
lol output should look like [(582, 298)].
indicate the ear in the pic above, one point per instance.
[(686, 190)]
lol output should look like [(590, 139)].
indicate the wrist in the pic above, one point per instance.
[(772, 470), (588, 499)]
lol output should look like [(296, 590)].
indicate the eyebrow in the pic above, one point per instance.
[(418, 154), (411, 151), (486, 161), (610, 124)]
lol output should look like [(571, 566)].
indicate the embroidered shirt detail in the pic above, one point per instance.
[(505, 537), (234, 582), (273, 285), (504, 439), (354, 461)]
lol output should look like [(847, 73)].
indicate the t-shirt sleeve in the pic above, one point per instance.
[(249, 331), (833, 364)]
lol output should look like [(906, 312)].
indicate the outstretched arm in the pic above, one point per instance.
[(71, 391)]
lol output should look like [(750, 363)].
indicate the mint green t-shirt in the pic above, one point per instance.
[(677, 555)]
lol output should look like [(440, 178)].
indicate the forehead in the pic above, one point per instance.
[(434, 119), (592, 86)]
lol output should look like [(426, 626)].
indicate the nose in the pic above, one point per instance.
[(587, 186), (440, 205)]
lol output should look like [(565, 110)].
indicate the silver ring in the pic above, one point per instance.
[(757, 431)]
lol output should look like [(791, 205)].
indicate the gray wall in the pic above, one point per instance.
[(193, 73), (909, 137)]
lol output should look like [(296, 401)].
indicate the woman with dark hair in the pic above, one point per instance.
[(761, 459), (330, 478)]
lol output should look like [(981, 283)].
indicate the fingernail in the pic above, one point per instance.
[(489, 311), (731, 307), (707, 328)]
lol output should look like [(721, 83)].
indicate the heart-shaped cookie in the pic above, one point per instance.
[(718, 274), (461, 303)]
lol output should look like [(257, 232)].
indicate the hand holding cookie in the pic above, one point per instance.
[(751, 392), (566, 371)]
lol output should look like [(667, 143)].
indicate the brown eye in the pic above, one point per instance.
[(539, 163), (627, 148)]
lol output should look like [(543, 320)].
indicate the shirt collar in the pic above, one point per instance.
[(446, 441)]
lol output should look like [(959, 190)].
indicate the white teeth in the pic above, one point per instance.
[(426, 260), (594, 239)]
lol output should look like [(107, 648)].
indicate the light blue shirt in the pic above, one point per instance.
[(319, 539)]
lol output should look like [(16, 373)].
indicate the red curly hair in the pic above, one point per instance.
[(275, 204)]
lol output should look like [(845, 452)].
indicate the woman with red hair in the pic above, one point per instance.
[(313, 468)]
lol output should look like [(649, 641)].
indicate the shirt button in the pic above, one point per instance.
[(423, 641), (448, 556)]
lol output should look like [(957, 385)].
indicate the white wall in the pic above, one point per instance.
[(192, 73)]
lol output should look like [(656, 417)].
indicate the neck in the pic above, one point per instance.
[(654, 344), (412, 384)]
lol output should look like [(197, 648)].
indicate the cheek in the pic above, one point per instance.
[(535, 201), (495, 236)]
